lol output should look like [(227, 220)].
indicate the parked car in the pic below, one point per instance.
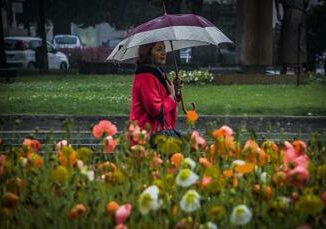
[(111, 43), (66, 41), (20, 52)]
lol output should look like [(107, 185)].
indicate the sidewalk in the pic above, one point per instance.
[(49, 128), (304, 124)]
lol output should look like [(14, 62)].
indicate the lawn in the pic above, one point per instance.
[(111, 94)]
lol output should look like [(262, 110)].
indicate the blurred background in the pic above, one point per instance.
[(270, 36)]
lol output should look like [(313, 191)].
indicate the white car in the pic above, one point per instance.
[(20, 52), (66, 41)]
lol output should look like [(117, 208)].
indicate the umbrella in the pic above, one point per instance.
[(177, 31)]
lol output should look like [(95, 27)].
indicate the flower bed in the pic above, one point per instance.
[(193, 182)]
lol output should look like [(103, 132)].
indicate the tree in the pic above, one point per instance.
[(4, 4), (316, 36)]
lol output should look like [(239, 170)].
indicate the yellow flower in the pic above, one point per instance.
[(309, 204), (60, 174)]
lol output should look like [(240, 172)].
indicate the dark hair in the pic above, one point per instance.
[(144, 53)]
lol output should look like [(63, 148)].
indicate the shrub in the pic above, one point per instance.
[(194, 77), (89, 54)]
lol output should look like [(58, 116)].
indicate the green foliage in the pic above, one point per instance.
[(111, 94), (45, 196)]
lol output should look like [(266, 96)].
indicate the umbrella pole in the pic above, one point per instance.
[(177, 84)]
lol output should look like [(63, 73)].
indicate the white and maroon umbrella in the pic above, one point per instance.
[(177, 31)]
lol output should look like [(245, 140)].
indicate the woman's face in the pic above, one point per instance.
[(158, 54)]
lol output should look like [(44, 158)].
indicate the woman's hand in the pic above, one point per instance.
[(171, 90)]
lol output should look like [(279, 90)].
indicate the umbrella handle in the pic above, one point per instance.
[(178, 94), (184, 108)]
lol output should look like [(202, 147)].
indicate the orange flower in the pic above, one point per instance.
[(38, 162), (10, 200), (299, 146), (35, 159), (267, 192), (223, 131), (107, 167), (156, 161), (251, 150), (68, 157), (28, 142), (192, 116), (245, 168), (111, 207), (228, 173), (205, 162), (176, 159), (77, 211)]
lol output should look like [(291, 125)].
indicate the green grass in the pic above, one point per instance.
[(111, 94)]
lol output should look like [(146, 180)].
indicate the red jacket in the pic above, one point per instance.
[(149, 96)]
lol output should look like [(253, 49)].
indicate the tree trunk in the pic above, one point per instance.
[(44, 65), (254, 34), (3, 60)]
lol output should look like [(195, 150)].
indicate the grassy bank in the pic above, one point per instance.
[(110, 94)]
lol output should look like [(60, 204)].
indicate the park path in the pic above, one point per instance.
[(50, 128)]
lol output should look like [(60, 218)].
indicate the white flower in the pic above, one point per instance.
[(149, 200), (208, 225), (235, 164), (190, 201), (90, 175), (80, 164), (23, 161), (186, 177), (283, 201), (188, 162), (241, 215), (263, 177)]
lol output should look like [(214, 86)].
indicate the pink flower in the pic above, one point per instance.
[(302, 160), (104, 127), (198, 140), (122, 213), (289, 153), (110, 144), (227, 130), (121, 226), (298, 176), (61, 144), (34, 144), (206, 181)]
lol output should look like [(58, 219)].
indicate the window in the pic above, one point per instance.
[(66, 40)]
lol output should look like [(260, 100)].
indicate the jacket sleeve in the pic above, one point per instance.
[(152, 100)]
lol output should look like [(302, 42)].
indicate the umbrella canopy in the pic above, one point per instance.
[(177, 31)]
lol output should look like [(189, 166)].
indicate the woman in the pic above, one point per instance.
[(153, 95)]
